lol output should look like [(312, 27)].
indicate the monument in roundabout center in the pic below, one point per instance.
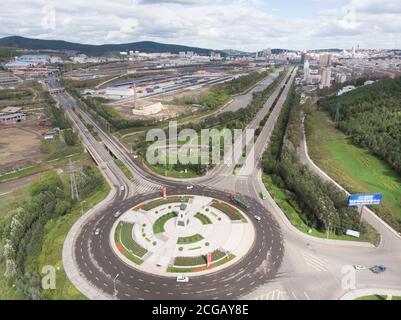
[(182, 216)]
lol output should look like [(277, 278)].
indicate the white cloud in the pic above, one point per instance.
[(238, 24)]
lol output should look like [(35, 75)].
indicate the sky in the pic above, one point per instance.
[(247, 25)]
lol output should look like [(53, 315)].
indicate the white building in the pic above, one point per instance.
[(119, 92), (325, 82), (345, 90), (11, 115), (306, 71)]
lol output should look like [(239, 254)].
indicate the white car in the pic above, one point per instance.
[(359, 267), (117, 214), (97, 231), (122, 188), (257, 218), (190, 187), (182, 279)]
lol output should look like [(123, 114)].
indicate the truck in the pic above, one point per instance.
[(240, 200), (264, 195)]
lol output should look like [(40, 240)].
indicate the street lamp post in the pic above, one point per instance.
[(114, 282), (82, 208)]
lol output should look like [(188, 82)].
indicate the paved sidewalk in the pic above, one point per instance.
[(358, 293)]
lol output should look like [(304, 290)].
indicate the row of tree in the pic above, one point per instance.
[(371, 116), (322, 205), (22, 235)]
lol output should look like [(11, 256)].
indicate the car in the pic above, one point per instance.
[(117, 214), (359, 267), (190, 187), (378, 269), (182, 279), (122, 188), (97, 231), (257, 218)]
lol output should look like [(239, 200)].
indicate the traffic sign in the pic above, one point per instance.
[(364, 199)]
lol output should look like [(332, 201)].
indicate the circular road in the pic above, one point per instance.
[(104, 270)]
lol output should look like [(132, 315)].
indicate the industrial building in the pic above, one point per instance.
[(11, 115)]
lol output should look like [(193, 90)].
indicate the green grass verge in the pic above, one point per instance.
[(202, 218), (124, 235), (352, 167), (231, 212), (377, 297), (158, 226), (294, 215), (159, 202), (124, 169), (191, 239)]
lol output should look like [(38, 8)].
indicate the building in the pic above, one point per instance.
[(341, 78), (306, 71), (215, 56), (345, 90), (34, 59), (119, 92), (11, 115), (325, 60), (325, 81)]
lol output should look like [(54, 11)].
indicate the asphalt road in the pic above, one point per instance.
[(100, 265)]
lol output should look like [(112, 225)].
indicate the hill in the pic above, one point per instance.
[(371, 116), (98, 50)]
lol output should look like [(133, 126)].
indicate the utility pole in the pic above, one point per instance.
[(114, 282), (74, 187)]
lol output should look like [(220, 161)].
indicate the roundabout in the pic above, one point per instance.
[(101, 263), (176, 235)]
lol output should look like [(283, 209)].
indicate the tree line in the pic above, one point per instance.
[(371, 116), (323, 206), (22, 234)]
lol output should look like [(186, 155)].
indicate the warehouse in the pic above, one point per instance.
[(11, 115)]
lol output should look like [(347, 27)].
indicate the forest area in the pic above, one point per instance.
[(321, 205), (371, 117)]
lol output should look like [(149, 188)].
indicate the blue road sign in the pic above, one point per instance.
[(364, 199)]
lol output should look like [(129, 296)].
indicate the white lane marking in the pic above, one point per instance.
[(314, 262)]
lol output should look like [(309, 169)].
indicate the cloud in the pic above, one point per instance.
[(240, 24)]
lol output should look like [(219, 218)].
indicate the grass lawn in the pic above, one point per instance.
[(124, 236), (191, 239), (202, 218), (377, 297), (294, 214), (231, 212), (354, 168), (158, 226), (170, 172), (124, 169), (42, 167), (159, 202)]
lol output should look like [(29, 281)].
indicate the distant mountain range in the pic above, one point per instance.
[(99, 50)]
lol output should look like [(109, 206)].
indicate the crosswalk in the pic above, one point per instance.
[(143, 187), (275, 295), (318, 264)]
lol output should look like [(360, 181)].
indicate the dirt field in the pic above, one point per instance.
[(19, 148)]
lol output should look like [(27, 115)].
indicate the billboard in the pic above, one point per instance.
[(364, 199)]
